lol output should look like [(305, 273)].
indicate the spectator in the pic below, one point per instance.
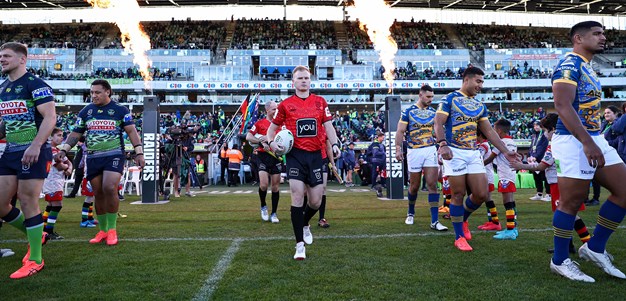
[(234, 164), (223, 156), (376, 157), (349, 161), (615, 133), (538, 147)]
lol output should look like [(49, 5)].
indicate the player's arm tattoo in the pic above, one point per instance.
[(72, 140)]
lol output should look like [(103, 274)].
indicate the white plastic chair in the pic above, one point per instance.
[(69, 183), (216, 173), (135, 178), (169, 180)]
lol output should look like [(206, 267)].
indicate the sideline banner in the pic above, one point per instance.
[(395, 174), (150, 139)]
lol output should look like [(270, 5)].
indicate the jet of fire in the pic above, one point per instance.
[(125, 15), (376, 17)]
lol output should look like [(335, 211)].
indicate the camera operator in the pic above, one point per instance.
[(177, 149)]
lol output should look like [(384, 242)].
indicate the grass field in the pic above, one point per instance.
[(215, 247)]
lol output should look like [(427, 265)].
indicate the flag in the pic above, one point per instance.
[(244, 110), (252, 116), (250, 113), (244, 107)]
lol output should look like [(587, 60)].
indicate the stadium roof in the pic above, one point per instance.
[(595, 7)]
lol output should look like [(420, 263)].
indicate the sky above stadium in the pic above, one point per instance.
[(297, 12)]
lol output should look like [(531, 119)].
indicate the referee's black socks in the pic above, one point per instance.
[(262, 195), (322, 207), (297, 221), (275, 198), (308, 214)]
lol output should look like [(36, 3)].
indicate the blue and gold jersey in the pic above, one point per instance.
[(103, 127), (463, 115), (420, 124), (575, 70)]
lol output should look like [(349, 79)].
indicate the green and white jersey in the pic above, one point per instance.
[(103, 128), (18, 107)]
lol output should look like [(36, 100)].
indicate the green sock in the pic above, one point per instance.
[(102, 222), (112, 220), (34, 231), (19, 223)]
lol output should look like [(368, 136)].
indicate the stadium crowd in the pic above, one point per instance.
[(79, 36), (281, 34), (181, 35), (420, 35), (480, 37), (408, 35), (106, 73), (351, 126)]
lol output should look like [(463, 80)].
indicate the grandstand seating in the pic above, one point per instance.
[(424, 53), (74, 35), (408, 35), (181, 35), (206, 56), (615, 38), (280, 34), (420, 35), (480, 37)]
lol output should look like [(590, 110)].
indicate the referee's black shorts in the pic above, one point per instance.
[(305, 166), (269, 164)]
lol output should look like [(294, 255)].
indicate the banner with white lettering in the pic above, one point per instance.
[(150, 138), (395, 172)]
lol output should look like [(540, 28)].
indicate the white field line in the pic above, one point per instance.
[(210, 285), (271, 238)]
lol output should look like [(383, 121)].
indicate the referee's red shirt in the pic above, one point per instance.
[(260, 127), (304, 118), (322, 137)]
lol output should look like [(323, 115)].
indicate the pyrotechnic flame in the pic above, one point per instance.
[(376, 17), (125, 14)]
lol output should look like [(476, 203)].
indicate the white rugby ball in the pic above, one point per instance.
[(284, 138)]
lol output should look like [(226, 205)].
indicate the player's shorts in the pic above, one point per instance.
[(556, 196), (506, 186), (305, 166), (464, 161), (269, 164), (85, 188), (571, 161), (97, 166), (54, 196), (418, 158), (11, 165), (492, 187)]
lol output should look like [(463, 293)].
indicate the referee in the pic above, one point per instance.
[(307, 116)]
